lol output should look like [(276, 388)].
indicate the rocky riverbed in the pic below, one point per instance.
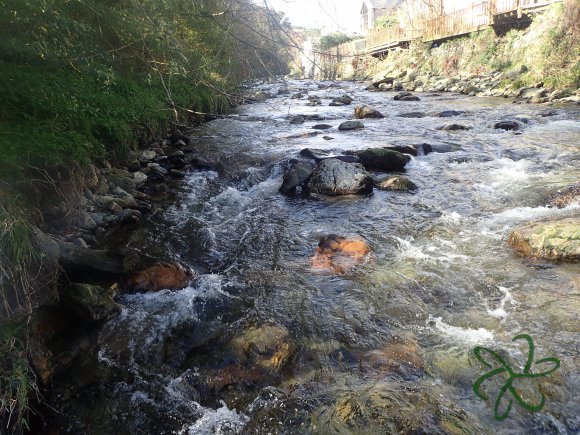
[(324, 260)]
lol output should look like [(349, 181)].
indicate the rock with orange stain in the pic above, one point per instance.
[(160, 277), (338, 254)]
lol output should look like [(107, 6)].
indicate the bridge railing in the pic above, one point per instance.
[(457, 23)]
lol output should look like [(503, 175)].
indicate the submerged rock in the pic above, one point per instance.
[(564, 197), (338, 254), (334, 177), (382, 159), (412, 115), (321, 126), (160, 277), (448, 113), (268, 346), (297, 175), (345, 99), (397, 183), (298, 119), (364, 111), (552, 239)]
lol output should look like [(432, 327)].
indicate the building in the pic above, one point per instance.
[(372, 10)]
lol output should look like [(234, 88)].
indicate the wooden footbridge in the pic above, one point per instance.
[(492, 13)]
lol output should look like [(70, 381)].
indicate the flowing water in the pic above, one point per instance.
[(385, 348)]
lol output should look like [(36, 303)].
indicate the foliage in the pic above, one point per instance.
[(17, 380), (334, 39), (387, 21), (81, 79)]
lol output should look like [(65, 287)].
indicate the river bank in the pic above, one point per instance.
[(272, 333), (538, 63)]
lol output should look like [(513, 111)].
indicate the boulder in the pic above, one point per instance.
[(336, 104), (448, 113), (350, 125), (507, 125), (338, 254), (160, 277), (344, 99), (334, 177), (406, 96), (91, 303), (82, 261), (412, 115), (454, 127), (364, 111), (297, 119), (531, 93), (321, 126), (412, 150), (382, 159), (551, 239), (297, 175), (397, 183), (564, 197), (386, 81)]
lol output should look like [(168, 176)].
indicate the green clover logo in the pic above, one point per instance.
[(513, 376)]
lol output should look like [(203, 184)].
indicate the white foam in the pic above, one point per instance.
[(500, 312), (217, 422), (450, 218), (430, 254), (464, 335)]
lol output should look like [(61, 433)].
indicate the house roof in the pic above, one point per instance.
[(382, 4)]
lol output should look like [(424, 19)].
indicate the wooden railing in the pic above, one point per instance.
[(457, 23)]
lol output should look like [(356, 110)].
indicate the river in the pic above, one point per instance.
[(388, 346)]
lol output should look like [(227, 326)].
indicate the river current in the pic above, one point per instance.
[(385, 348)]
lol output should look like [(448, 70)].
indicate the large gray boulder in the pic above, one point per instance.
[(296, 176), (334, 177), (382, 159)]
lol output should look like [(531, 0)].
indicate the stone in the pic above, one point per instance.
[(125, 179), (91, 303), (157, 170), (531, 93), (449, 113), (334, 177), (507, 125), (338, 254), (160, 277), (327, 138), (262, 96), (397, 183), (412, 150), (133, 165), (336, 104), (313, 154), (86, 222), (412, 115), (363, 111), (177, 173), (385, 81), (78, 261), (115, 208), (406, 96), (297, 119), (129, 216), (382, 159), (321, 126), (550, 239), (350, 125), (344, 99), (147, 156), (454, 127), (564, 197), (268, 347), (102, 187), (296, 176)]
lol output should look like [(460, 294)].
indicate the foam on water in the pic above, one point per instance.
[(217, 422), (500, 312), (430, 253), (466, 336)]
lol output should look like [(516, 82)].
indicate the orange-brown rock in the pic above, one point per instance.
[(339, 254), (161, 277), (267, 346)]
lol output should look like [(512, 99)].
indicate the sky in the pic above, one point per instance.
[(318, 13)]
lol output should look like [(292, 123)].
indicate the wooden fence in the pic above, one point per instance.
[(462, 22)]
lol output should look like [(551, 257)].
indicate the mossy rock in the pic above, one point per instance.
[(553, 239)]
